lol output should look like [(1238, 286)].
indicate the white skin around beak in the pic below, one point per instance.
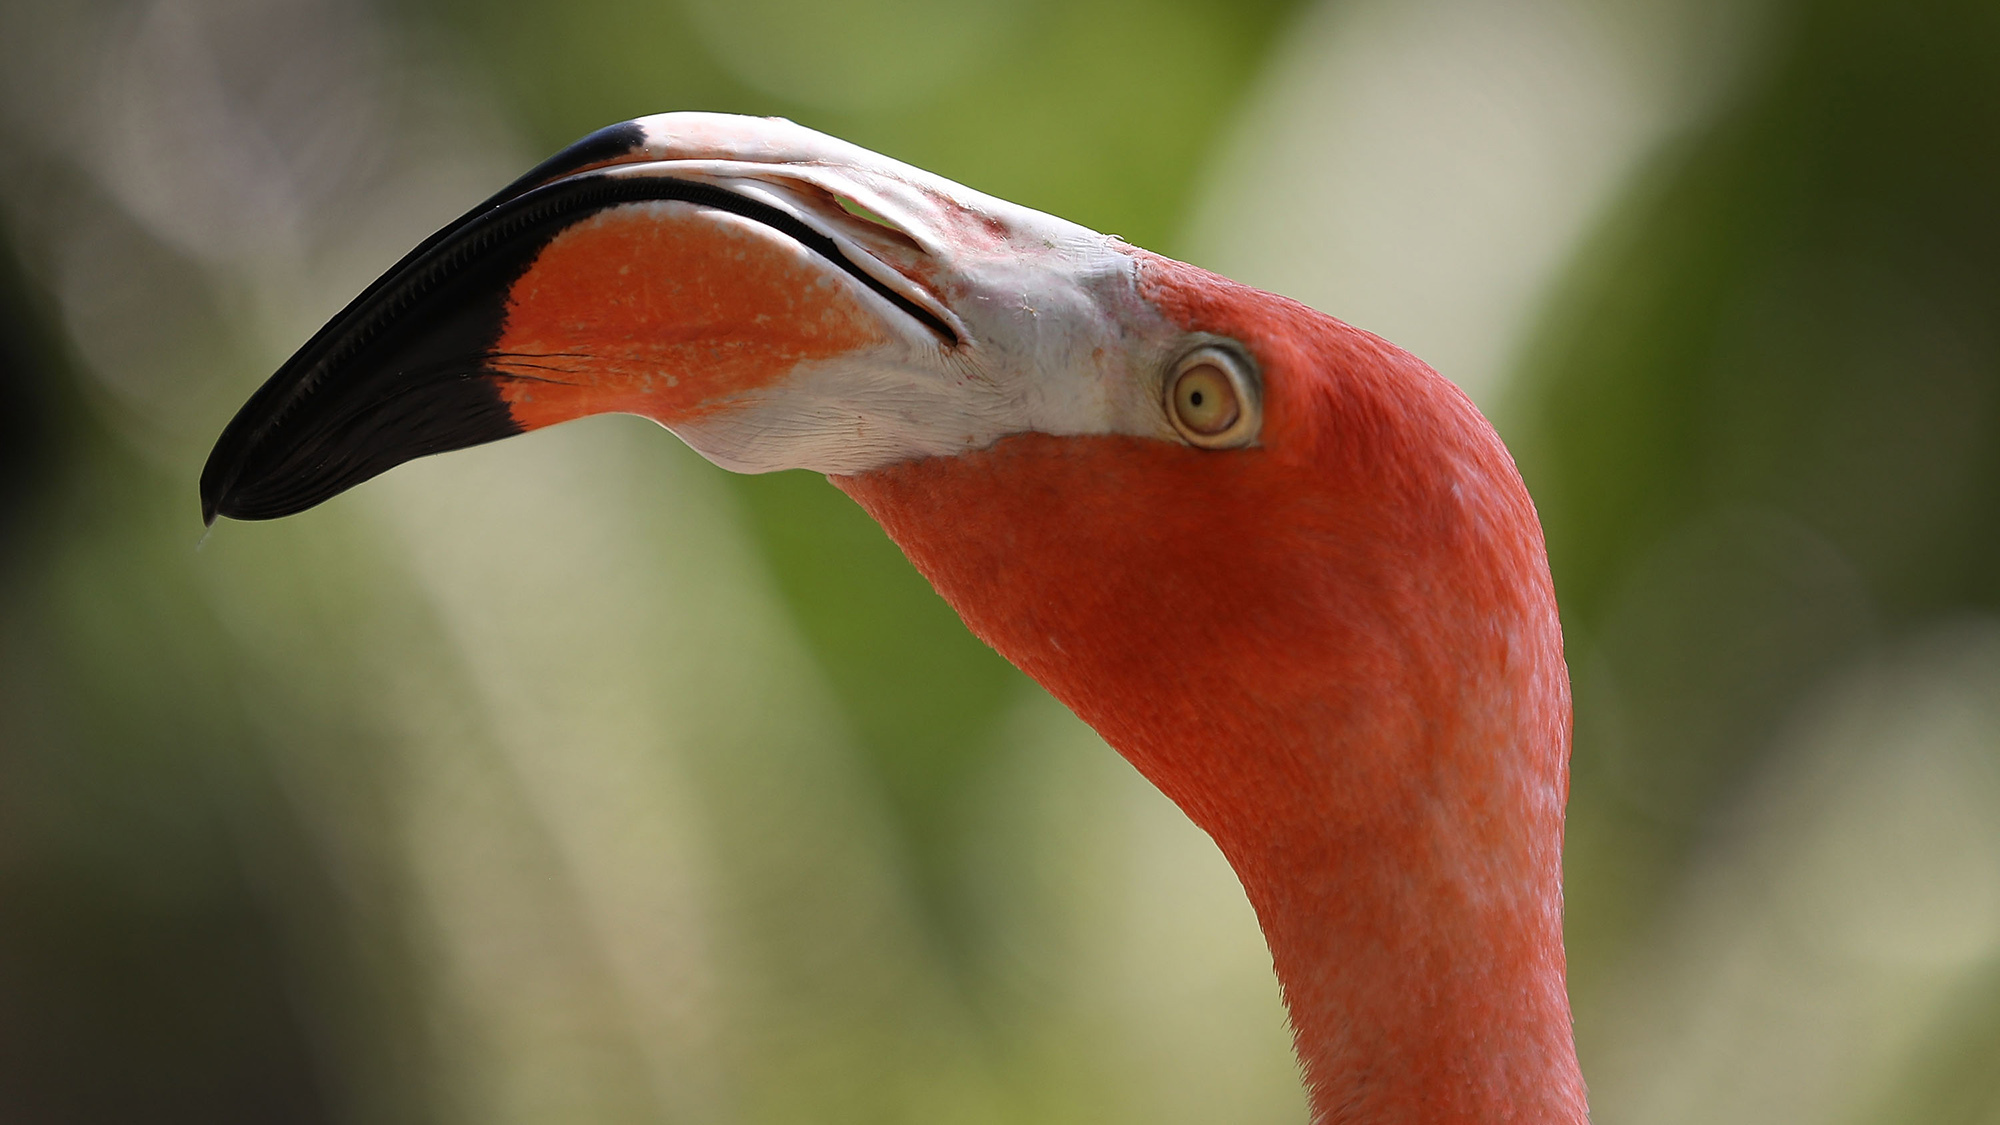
[(1052, 333)]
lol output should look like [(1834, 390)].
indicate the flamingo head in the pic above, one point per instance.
[(778, 298)]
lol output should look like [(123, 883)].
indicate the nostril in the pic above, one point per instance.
[(858, 211), (877, 225)]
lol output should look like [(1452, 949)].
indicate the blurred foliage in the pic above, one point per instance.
[(146, 968), (1100, 111), (1762, 423)]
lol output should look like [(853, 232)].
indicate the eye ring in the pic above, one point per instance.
[(1211, 399)]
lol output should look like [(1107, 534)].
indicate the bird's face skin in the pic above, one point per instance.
[(1282, 566)]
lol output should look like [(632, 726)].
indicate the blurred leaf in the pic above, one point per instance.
[(1761, 424), (144, 972)]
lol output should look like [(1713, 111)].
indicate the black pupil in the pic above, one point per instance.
[(1194, 398)]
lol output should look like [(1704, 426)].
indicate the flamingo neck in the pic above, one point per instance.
[(1338, 652), (1377, 743)]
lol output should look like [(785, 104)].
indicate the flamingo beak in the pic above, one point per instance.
[(776, 297)]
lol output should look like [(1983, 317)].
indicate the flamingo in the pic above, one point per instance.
[(1283, 567)]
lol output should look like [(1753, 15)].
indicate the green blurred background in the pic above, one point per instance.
[(572, 780)]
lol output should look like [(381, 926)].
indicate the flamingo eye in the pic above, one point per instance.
[(1211, 400)]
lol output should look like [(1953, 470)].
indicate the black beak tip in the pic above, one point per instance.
[(211, 507), (403, 371), (219, 478)]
